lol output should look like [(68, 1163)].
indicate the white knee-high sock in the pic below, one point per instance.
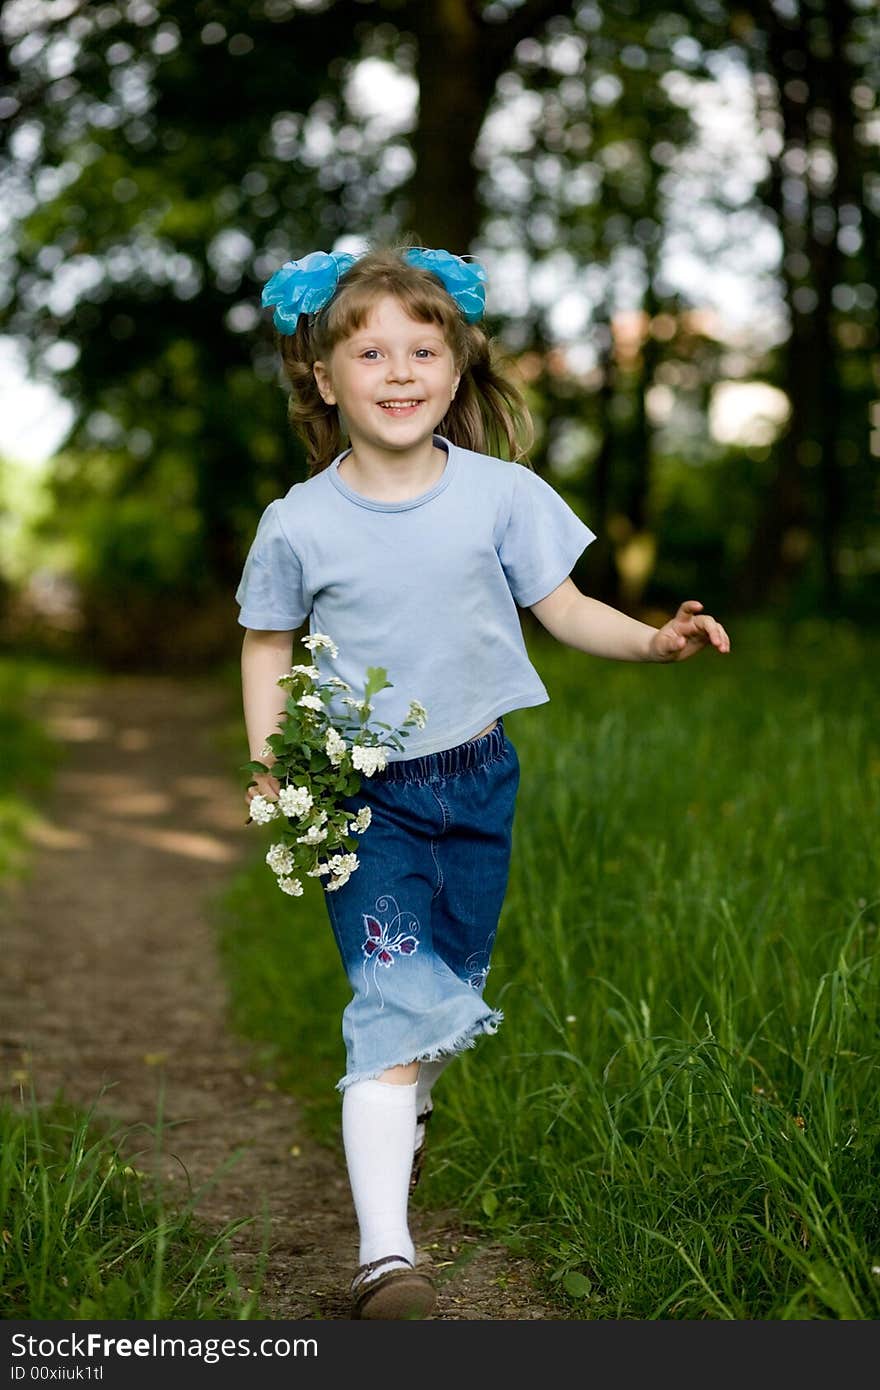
[(378, 1133), (428, 1074)]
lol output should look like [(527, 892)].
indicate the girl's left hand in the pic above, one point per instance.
[(687, 633)]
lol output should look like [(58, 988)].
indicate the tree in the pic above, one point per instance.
[(814, 67), (463, 47)]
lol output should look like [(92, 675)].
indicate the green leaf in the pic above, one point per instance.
[(377, 679), (832, 1288), (489, 1204), (253, 767), (578, 1285)]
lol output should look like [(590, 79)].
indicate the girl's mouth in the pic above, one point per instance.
[(399, 407)]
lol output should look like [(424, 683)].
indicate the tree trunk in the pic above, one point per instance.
[(460, 58), (600, 502), (836, 77), (455, 90), (776, 552)]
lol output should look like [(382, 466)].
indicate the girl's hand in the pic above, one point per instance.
[(687, 633), (264, 784)]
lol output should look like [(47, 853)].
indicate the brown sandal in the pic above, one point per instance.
[(399, 1293), (418, 1163)]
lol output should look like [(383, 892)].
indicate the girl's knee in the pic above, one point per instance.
[(401, 1076)]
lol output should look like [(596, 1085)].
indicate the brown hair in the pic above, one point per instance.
[(488, 413)]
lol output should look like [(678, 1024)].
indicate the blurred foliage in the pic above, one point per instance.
[(160, 160), (28, 756)]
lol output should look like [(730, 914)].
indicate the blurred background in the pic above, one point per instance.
[(678, 206)]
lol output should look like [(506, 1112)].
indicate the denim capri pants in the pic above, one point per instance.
[(416, 922)]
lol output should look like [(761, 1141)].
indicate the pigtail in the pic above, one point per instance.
[(316, 422), (488, 413)]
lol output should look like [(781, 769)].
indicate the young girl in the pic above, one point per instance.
[(412, 548)]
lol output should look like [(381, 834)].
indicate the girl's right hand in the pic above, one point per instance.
[(264, 784)]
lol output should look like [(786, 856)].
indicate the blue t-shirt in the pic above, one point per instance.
[(427, 588)]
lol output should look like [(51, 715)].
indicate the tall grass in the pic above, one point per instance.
[(88, 1234), (681, 1110)]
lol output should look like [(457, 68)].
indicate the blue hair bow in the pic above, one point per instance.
[(305, 286), (464, 280)]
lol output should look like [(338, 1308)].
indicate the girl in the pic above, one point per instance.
[(411, 544)]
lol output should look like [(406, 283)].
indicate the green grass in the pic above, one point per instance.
[(87, 1234), (679, 1117), (28, 756)]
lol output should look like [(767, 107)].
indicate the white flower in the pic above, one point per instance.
[(311, 702), (291, 886), (338, 881), (266, 751), (295, 801), (280, 859), (417, 713), (319, 642), (334, 745), (263, 810), (343, 863), (368, 760), (362, 706), (340, 684), (361, 821), (313, 836), (311, 671), (340, 866)]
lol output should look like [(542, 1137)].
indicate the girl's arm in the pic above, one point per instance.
[(594, 627), (264, 657)]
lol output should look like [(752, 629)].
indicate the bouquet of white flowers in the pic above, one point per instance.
[(317, 762)]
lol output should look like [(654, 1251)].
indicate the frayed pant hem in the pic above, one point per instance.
[(464, 1038)]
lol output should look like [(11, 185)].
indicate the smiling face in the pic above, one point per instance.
[(392, 379)]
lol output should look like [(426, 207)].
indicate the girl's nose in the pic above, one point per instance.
[(399, 369)]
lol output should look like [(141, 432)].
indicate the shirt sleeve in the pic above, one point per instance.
[(542, 540), (272, 593)]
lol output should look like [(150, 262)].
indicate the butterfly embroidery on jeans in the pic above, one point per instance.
[(386, 940), (380, 944)]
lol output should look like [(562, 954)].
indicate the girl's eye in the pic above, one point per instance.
[(427, 352), (371, 353)]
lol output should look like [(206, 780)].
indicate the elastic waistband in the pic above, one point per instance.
[(476, 752)]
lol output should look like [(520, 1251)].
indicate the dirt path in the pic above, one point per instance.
[(110, 979)]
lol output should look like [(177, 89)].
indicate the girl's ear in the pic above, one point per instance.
[(322, 381), (455, 380)]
